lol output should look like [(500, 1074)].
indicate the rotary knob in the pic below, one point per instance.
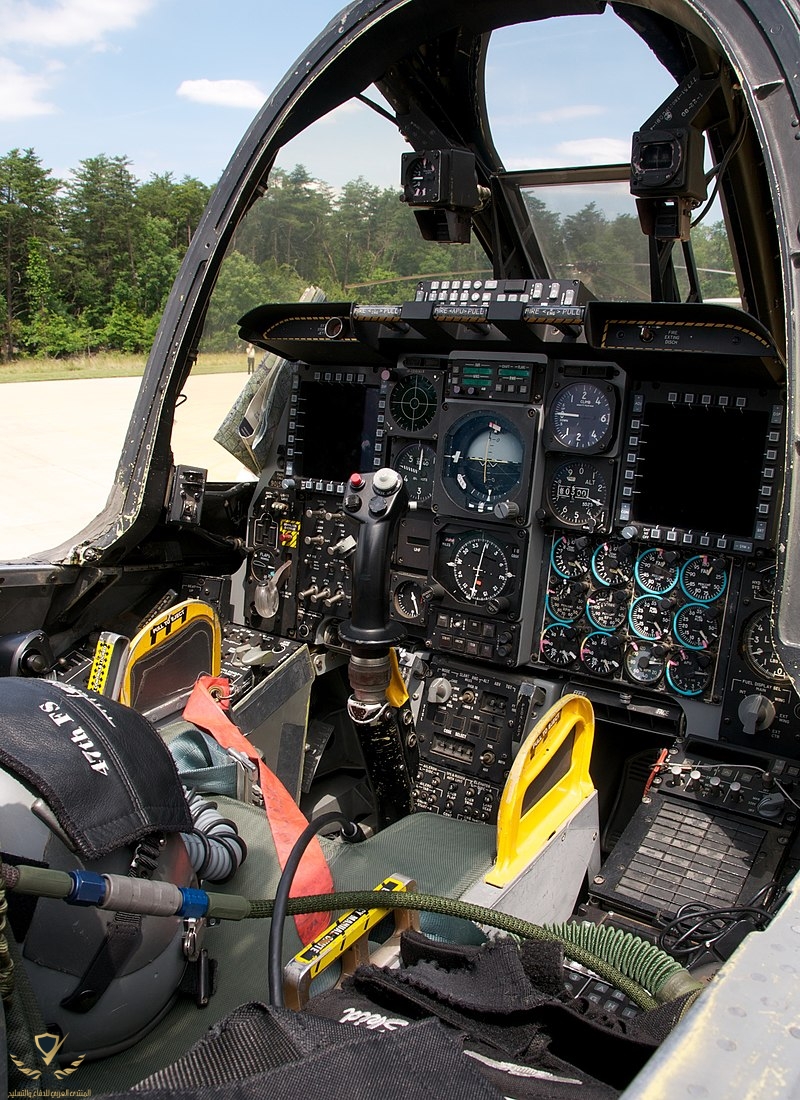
[(756, 712)]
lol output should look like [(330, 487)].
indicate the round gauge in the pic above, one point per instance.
[(570, 556), (578, 494), (421, 179), (559, 645), (413, 402), (696, 626), (766, 581), (565, 600), (478, 566), (703, 578), (759, 648), (483, 461), (645, 662), (262, 565), (601, 653), (612, 562), (656, 571), (607, 608), (408, 601), (650, 617), (416, 462), (688, 671), (582, 417)]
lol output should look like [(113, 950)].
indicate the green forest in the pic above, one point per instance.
[(88, 262)]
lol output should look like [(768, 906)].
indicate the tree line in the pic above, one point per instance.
[(87, 263)]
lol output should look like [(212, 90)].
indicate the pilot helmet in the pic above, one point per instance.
[(101, 979)]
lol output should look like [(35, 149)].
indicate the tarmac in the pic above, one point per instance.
[(60, 443)]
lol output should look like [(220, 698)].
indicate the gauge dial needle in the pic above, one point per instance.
[(478, 573)]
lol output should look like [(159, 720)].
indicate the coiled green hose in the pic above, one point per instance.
[(641, 961)]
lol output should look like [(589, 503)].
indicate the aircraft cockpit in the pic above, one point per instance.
[(549, 466)]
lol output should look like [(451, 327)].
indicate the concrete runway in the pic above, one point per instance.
[(60, 443)]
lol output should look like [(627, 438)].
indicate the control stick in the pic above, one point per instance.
[(376, 502)]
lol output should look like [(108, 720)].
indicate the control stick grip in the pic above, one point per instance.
[(376, 502)]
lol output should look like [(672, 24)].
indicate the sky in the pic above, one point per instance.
[(173, 86)]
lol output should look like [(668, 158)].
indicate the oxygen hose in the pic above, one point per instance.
[(164, 899), (215, 849), (648, 962), (639, 968)]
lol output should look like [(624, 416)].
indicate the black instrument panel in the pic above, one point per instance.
[(569, 514)]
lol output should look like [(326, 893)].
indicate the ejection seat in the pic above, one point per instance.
[(532, 864)]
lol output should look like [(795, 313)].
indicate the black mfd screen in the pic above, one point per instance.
[(700, 467), (336, 426)]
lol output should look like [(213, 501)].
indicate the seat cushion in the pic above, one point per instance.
[(442, 855)]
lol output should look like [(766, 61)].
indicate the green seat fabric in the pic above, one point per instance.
[(443, 856)]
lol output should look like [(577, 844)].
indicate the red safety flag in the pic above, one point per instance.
[(284, 818)]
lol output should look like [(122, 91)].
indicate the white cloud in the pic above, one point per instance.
[(350, 107), (570, 114), (223, 93), (21, 94), (558, 115), (67, 22), (595, 150)]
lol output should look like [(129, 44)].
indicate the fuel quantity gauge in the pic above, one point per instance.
[(759, 648)]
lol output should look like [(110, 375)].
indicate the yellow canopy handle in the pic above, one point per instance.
[(548, 781), (186, 639)]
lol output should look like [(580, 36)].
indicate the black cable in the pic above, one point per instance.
[(350, 832), (719, 170), (698, 927)]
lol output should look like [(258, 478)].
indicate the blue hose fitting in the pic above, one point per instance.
[(195, 902), (88, 888)]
